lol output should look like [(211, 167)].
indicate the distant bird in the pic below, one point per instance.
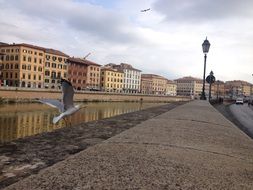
[(66, 106), (145, 10)]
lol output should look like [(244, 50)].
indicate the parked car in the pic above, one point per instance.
[(239, 101)]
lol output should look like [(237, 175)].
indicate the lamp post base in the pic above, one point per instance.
[(203, 96)]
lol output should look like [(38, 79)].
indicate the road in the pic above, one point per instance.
[(244, 114)]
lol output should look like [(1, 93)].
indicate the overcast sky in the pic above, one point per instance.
[(165, 40)]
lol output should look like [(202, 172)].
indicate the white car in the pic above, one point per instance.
[(239, 101)]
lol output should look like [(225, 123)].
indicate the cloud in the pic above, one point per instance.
[(203, 10), (98, 22)]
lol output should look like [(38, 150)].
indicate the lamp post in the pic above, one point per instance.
[(210, 79), (205, 47)]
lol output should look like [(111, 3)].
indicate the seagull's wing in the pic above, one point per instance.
[(53, 103), (67, 94)]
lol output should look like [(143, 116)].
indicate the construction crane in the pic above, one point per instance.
[(86, 55)]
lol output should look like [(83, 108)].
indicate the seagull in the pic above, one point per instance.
[(145, 10), (66, 107)]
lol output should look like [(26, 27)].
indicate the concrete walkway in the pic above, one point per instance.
[(190, 147)]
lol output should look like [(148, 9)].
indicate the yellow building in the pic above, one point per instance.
[(24, 65), (55, 68), (93, 75), (111, 80), (158, 84), (171, 88)]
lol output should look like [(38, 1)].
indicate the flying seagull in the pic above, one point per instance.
[(145, 10), (66, 107)]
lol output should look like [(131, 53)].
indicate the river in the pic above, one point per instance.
[(26, 119)]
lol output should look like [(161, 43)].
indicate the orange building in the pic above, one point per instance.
[(1, 60), (158, 83), (83, 74)]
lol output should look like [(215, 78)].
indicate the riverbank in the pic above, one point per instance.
[(27, 156), (31, 95)]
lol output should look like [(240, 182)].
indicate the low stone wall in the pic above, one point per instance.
[(30, 95)]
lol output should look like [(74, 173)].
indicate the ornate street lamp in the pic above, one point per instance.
[(205, 47)]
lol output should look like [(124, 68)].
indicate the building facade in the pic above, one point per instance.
[(93, 75), (146, 85), (171, 88), (24, 65), (111, 80), (159, 84), (77, 73), (132, 77), (1, 61), (238, 88), (190, 86), (55, 68), (83, 74), (218, 89)]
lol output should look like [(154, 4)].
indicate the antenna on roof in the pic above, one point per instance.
[(86, 55)]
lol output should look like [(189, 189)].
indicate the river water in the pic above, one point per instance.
[(26, 119)]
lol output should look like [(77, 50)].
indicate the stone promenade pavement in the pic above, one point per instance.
[(190, 147)]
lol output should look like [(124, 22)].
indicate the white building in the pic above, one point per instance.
[(132, 77)]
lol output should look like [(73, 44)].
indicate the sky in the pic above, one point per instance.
[(166, 40)]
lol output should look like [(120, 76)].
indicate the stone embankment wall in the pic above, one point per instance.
[(19, 95)]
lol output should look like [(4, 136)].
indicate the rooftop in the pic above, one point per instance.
[(82, 61)]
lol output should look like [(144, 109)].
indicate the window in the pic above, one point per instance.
[(29, 67), (7, 66), (47, 73), (40, 54), (29, 76), (40, 69), (24, 67), (40, 61), (54, 58), (23, 77), (59, 75), (7, 58), (53, 75), (35, 60), (47, 64), (24, 58), (12, 58), (54, 65), (39, 77), (35, 68), (6, 75), (16, 57), (29, 59), (46, 80), (34, 77)]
